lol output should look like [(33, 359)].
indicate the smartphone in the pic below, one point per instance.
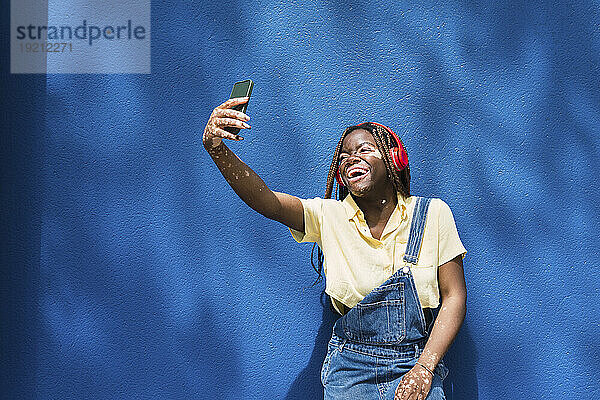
[(240, 89)]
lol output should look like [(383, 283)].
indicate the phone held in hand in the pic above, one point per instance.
[(240, 89)]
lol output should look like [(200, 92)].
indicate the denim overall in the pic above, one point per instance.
[(375, 343)]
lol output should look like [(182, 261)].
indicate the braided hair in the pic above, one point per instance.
[(400, 179)]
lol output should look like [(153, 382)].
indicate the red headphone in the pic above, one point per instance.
[(398, 154)]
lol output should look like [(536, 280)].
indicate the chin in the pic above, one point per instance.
[(360, 191)]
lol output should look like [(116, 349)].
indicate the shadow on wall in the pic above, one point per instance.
[(307, 384), (461, 360), (21, 223)]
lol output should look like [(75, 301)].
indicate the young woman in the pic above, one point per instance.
[(390, 260)]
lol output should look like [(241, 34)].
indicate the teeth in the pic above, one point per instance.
[(354, 171)]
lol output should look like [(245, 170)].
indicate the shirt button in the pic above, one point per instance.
[(405, 270)]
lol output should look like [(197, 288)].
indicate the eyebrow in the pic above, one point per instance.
[(360, 145)]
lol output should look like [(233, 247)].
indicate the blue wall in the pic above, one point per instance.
[(131, 270)]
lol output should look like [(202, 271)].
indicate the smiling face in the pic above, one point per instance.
[(361, 164)]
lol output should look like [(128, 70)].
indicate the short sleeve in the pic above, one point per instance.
[(313, 217), (449, 242)]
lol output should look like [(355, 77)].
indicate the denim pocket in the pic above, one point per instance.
[(326, 363), (380, 318)]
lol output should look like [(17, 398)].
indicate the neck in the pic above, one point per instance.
[(378, 206)]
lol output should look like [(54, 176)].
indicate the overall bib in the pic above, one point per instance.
[(380, 339)]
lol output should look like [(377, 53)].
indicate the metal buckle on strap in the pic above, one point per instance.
[(405, 268)]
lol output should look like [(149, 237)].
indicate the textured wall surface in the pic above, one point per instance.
[(131, 270)]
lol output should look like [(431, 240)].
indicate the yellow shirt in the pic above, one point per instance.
[(356, 263)]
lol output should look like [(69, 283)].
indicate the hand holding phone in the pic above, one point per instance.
[(240, 89), (228, 118)]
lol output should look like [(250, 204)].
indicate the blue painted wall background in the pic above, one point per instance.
[(131, 270)]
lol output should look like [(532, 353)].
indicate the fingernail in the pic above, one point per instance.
[(240, 138), (245, 125)]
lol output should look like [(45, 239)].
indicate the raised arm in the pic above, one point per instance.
[(243, 180)]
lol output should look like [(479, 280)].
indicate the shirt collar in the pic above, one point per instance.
[(352, 208)]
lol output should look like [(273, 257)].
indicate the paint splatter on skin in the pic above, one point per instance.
[(377, 154), (417, 382), (366, 148), (430, 359), (244, 181), (222, 117)]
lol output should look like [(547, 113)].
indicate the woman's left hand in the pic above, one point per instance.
[(414, 385)]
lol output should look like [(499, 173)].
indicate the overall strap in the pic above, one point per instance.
[(417, 227)]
